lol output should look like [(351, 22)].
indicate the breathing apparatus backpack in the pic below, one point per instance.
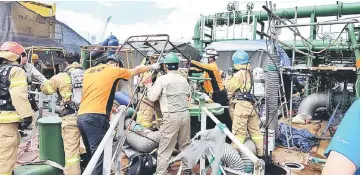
[(76, 77)]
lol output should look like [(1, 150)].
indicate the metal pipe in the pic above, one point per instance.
[(283, 22), (243, 148), (354, 46), (288, 13), (317, 23), (297, 50)]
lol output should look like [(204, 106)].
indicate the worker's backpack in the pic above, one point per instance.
[(76, 77), (141, 164)]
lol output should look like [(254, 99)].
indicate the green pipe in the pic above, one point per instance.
[(255, 30), (302, 12), (196, 37), (355, 46), (317, 45), (313, 28), (289, 13)]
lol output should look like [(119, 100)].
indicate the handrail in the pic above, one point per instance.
[(103, 144), (259, 165)]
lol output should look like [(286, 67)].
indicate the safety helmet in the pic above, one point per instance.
[(34, 56), (171, 58), (152, 54), (240, 57), (11, 51), (211, 53), (116, 59)]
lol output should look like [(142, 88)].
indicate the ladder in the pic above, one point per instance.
[(283, 100)]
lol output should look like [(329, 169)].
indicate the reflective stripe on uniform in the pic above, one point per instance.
[(67, 80), (49, 88), (17, 82), (6, 174), (72, 161), (257, 137), (66, 94), (241, 138), (10, 117)]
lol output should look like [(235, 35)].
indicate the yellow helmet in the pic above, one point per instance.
[(34, 56)]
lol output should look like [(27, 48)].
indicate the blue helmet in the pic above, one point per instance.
[(240, 57)]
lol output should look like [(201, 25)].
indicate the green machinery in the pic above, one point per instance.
[(313, 51), (51, 149)]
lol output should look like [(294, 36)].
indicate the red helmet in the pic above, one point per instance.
[(11, 51)]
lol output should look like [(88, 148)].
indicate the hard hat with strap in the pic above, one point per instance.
[(34, 56), (240, 57), (171, 58), (211, 53), (11, 51), (116, 59)]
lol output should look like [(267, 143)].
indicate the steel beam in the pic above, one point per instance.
[(303, 12), (317, 23)]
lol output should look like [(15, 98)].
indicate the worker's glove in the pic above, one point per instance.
[(155, 66), (26, 123)]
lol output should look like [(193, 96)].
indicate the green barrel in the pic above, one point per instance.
[(50, 140), (51, 148)]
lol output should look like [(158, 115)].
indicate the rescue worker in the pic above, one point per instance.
[(68, 85), (214, 87), (31, 72), (38, 64), (245, 116), (14, 107), (99, 85), (146, 112), (172, 90)]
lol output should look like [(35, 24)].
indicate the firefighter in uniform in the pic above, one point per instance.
[(99, 85), (145, 112), (68, 84), (245, 116), (172, 90), (14, 107)]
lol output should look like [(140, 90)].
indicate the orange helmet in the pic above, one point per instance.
[(11, 51)]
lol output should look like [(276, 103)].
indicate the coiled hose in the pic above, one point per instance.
[(144, 140), (272, 86)]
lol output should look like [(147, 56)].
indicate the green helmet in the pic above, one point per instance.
[(171, 58)]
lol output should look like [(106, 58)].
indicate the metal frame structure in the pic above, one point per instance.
[(31, 50), (88, 63), (106, 144)]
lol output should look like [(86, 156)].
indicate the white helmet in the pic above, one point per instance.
[(211, 53)]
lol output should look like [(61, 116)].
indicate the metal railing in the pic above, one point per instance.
[(259, 165), (106, 145)]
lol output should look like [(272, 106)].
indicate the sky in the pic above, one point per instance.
[(174, 17)]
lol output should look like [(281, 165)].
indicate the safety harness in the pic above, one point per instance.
[(245, 96), (5, 98)]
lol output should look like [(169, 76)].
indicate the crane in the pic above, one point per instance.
[(105, 28)]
